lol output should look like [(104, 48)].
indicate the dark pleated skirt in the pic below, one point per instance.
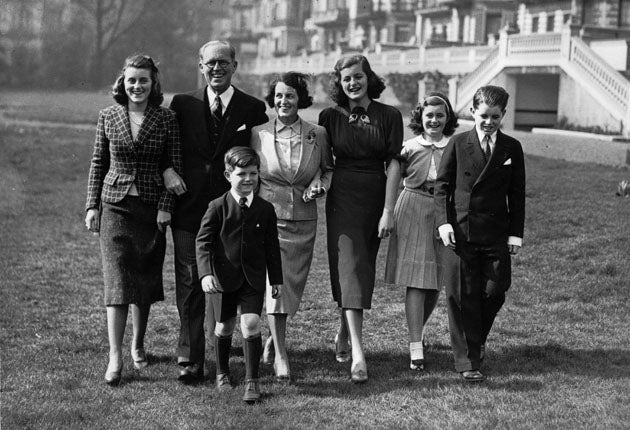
[(297, 239), (133, 251), (354, 207)]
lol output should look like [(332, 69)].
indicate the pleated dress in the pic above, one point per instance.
[(414, 254), (354, 205)]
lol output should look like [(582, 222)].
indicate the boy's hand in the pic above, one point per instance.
[(513, 249), (209, 284), (163, 220), (275, 291)]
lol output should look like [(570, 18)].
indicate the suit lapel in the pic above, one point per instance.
[(199, 113), (151, 117), (473, 147), (121, 119), (232, 118), (498, 157), (308, 145)]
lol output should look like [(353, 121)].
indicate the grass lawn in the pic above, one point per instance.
[(559, 355)]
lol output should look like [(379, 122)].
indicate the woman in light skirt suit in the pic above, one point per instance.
[(296, 168), (127, 204), (416, 259)]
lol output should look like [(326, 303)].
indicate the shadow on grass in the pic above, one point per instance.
[(518, 369)]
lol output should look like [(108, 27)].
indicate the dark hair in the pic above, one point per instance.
[(138, 61), (433, 99), (240, 156), (375, 83), (220, 43), (296, 80), (492, 96)]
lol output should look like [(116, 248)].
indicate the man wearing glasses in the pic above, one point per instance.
[(211, 120)]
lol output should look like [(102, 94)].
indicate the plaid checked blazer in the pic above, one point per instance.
[(119, 161)]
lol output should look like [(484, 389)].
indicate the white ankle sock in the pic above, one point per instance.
[(416, 350)]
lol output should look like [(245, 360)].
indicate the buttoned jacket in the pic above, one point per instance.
[(118, 161), (284, 187), (484, 202), (235, 244)]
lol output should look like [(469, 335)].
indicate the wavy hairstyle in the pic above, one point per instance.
[(139, 61), (433, 99), (296, 80), (376, 85)]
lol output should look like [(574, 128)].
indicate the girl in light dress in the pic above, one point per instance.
[(416, 259)]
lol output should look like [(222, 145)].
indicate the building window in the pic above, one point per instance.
[(403, 33), (624, 13)]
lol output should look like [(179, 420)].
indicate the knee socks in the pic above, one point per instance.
[(252, 350), (222, 346)]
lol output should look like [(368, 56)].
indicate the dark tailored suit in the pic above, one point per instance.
[(118, 161), (485, 204), (204, 144), (237, 245)]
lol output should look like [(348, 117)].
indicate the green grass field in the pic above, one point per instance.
[(559, 355)]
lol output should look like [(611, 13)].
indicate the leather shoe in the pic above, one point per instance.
[(191, 373), (223, 382), (252, 391), (473, 376), (112, 377), (417, 365), (139, 358), (342, 353)]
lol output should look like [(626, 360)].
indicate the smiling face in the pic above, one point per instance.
[(487, 118), (243, 179), (354, 82), (433, 121), (286, 103), (217, 67), (137, 86)]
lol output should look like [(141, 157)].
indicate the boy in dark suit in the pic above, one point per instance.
[(480, 214), (237, 245)]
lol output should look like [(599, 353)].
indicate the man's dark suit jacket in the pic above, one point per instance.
[(203, 157), (484, 203), (236, 245)]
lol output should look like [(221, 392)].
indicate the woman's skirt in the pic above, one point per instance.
[(297, 240), (414, 246), (133, 250), (354, 206)]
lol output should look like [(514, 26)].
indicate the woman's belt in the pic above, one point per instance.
[(426, 187)]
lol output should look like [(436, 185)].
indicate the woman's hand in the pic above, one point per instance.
[(314, 190), (163, 220), (173, 182), (92, 221), (276, 291), (386, 223)]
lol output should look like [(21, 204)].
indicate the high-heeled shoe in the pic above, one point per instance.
[(358, 374), (342, 353), (139, 357), (112, 377)]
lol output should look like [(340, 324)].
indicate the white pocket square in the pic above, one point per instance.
[(507, 162), (241, 128)]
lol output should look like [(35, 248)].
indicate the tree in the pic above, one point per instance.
[(111, 20)]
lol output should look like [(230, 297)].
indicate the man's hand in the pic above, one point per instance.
[(209, 284), (173, 182)]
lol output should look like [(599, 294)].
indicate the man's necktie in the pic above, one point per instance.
[(242, 202), (217, 109), (485, 146)]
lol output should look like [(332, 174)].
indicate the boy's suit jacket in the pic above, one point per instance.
[(236, 245), (118, 161), (203, 157), (283, 188), (484, 203)]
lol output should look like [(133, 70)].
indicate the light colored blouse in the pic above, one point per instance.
[(288, 141), (422, 160)]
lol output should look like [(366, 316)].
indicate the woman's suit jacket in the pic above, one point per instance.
[(119, 161), (279, 186)]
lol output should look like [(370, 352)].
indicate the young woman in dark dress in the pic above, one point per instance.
[(366, 138)]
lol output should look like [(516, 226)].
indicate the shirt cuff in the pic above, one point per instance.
[(514, 240), (445, 228)]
